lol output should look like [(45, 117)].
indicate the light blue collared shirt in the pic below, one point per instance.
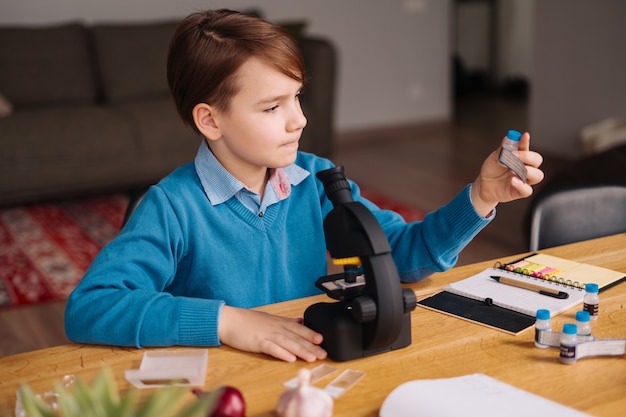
[(220, 185)]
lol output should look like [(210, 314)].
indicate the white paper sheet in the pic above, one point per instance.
[(469, 395)]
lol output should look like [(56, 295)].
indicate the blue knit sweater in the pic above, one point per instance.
[(165, 278)]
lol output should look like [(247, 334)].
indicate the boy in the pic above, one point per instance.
[(241, 226)]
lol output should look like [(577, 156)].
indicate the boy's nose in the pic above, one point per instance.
[(297, 121)]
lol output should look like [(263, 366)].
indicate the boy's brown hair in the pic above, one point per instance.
[(209, 47)]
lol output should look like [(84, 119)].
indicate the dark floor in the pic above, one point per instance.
[(423, 165)]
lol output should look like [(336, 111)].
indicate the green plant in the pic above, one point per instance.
[(102, 399)]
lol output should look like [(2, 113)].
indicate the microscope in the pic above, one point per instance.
[(373, 312)]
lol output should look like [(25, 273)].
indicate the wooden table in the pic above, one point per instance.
[(442, 347)]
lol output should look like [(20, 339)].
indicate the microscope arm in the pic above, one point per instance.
[(382, 283), (373, 312)]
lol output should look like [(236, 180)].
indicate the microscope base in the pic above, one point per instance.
[(343, 336)]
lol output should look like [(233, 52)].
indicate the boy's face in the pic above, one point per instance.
[(264, 122)]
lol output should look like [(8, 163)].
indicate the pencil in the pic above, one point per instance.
[(551, 292)]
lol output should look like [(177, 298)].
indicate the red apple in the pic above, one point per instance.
[(227, 402)]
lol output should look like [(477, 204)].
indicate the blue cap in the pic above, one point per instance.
[(591, 288), (514, 135), (543, 314), (582, 316), (570, 328)]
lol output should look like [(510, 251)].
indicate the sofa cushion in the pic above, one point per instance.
[(45, 65), (132, 59), (50, 150), (83, 133), (159, 128), (162, 139)]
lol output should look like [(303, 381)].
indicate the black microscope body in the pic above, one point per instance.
[(373, 311)]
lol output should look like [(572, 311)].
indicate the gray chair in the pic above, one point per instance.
[(577, 213)]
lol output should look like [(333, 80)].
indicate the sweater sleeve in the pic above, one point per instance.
[(433, 245), (122, 299)]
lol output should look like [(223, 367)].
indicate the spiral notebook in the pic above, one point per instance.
[(564, 272), (483, 300)]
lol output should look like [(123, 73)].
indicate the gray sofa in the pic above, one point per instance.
[(91, 111)]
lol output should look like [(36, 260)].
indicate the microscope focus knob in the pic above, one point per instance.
[(410, 300), (363, 309)]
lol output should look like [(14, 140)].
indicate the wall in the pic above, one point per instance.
[(579, 70), (514, 55), (511, 40), (394, 55)]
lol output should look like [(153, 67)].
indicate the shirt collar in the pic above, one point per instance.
[(220, 185)]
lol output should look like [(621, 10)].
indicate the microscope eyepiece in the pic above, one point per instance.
[(336, 186)]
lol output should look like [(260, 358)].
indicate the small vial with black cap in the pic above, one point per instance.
[(568, 343), (542, 324), (591, 301)]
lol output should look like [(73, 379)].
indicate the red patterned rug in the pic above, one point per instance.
[(46, 248)]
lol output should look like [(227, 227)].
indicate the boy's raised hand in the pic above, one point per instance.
[(280, 337), (498, 184)]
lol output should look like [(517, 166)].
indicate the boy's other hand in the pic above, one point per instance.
[(280, 337)]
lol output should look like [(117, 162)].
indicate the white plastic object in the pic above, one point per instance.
[(185, 368)]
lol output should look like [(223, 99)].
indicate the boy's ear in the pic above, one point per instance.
[(204, 119)]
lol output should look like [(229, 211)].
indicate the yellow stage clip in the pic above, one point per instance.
[(354, 260)]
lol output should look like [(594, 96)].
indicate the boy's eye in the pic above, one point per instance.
[(271, 109)]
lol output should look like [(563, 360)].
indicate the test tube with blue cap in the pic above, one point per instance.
[(511, 143)]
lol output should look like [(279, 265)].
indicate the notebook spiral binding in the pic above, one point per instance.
[(546, 277)]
